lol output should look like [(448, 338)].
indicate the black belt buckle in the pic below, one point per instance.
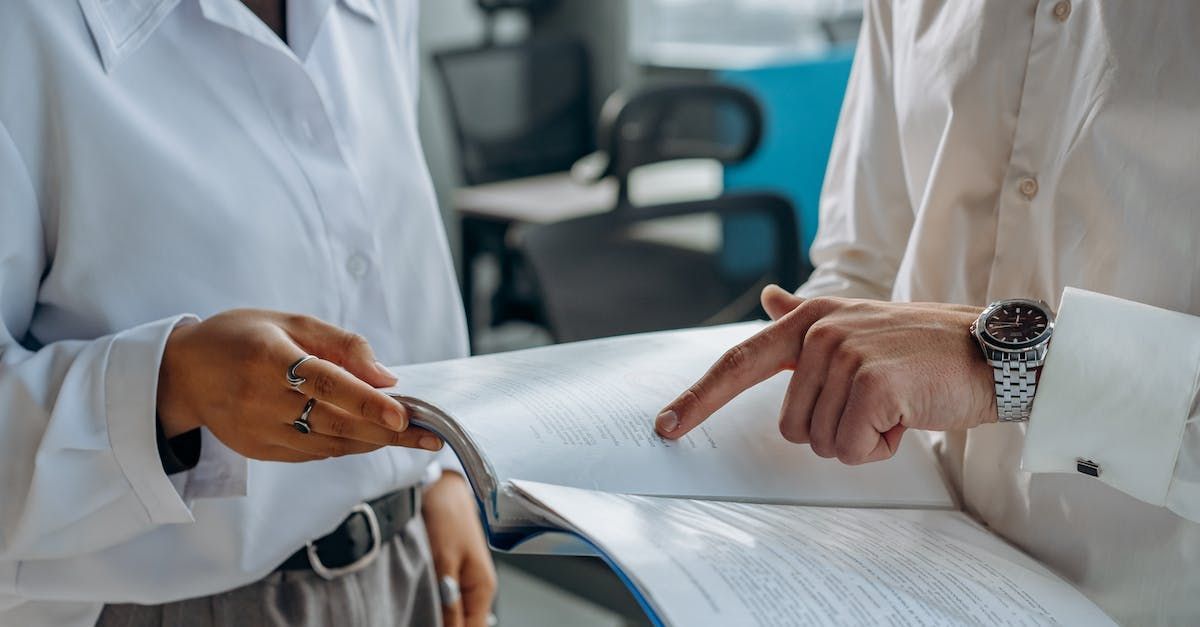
[(331, 572)]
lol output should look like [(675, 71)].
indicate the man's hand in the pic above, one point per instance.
[(228, 373), (459, 550), (864, 371)]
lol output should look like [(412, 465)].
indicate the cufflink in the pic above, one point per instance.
[(1087, 466)]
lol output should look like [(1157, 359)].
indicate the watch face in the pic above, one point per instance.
[(1017, 324)]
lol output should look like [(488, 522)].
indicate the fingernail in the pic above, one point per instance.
[(430, 442), (383, 370), (667, 421), (397, 417)]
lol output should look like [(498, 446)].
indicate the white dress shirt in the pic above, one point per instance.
[(160, 158), (992, 150)]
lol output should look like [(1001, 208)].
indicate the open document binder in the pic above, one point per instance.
[(731, 525)]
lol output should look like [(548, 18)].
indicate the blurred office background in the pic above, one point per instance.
[(613, 166)]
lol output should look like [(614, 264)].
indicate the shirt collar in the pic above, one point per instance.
[(120, 27), (364, 8)]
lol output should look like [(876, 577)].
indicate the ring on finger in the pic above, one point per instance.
[(449, 590), (301, 423), (294, 380)]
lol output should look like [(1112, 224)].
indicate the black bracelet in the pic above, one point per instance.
[(180, 453)]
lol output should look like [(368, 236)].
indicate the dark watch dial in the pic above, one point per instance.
[(1017, 324)]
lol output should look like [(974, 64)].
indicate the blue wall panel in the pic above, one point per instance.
[(801, 101)]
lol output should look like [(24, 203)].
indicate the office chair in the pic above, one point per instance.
[(644, 268), (518, 109), (530, 6)]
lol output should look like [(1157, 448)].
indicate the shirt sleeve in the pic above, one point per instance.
[(178, 454), (414, 53), (865, 216), (1119, 388), (447, 460), (78, 458)]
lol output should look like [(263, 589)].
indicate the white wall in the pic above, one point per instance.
[(447, 24), (603, 26), (444, 24)]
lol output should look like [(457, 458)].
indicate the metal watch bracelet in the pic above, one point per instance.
[(1016, 383)]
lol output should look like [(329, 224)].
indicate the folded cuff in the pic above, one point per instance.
[(131, 395), (220, 473), (1117, 388)]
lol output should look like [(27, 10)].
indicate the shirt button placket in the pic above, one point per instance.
[(305, 129), (357, 265), (1028, 187), (1062, 10)]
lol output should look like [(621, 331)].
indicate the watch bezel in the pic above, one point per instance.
[(1013, 347)]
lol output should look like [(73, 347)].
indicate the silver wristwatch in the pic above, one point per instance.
[(1014, 335)]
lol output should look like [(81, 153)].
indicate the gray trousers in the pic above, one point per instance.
[(397, 589)]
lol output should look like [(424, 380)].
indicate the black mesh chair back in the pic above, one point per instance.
[(518, 110), (664, 122), (522, 5), (659, 267), (646, 268)]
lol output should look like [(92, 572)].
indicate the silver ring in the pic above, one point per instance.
[(301, 423), (294, 380), (448, 590)]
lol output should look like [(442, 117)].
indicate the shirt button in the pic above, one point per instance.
[(357, 266), (1029, 187), (1062, 10)]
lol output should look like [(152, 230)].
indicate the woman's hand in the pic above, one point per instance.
[(228, 374), (459, 550), (864, 371)]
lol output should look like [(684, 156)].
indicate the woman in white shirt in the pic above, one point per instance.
[(162, 162)]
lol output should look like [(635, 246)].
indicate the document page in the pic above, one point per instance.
[(714, 563), (582, 415)]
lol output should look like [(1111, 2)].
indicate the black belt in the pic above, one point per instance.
[(357, 541)]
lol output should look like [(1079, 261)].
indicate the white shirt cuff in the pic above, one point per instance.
[(448, 461), (1118, 386), (131, 396), (220, 472)]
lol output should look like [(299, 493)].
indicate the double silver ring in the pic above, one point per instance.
[(301, 423), (294, 380)]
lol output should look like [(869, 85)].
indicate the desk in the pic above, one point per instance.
[(536, 199), (491, 216)]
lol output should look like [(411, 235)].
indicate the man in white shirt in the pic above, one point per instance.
[(162, 162), (1008, 150)]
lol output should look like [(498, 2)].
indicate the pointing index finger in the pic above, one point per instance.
[(755, 360)]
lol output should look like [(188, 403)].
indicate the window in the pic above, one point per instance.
[(721, 34)]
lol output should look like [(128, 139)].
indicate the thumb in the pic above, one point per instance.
[(779, 302)]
